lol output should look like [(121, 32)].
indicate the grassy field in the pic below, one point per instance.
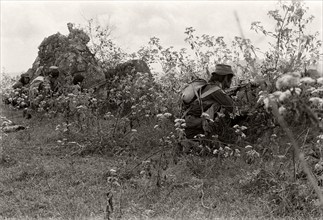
[(40, 179)]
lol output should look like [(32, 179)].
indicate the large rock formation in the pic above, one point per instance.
[(71, 55)]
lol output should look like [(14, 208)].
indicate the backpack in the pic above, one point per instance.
[(193, 92), (34, 86)]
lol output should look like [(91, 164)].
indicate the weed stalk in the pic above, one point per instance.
[(299, 154)]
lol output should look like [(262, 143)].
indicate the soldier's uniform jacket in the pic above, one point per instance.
[(38, 90), (214, 102), (219, 98)]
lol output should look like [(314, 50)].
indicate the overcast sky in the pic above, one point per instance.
[(24, 24)]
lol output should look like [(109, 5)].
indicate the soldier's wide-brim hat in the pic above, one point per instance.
[(223, 69), (53, 71), (26, 75), (53, 68)]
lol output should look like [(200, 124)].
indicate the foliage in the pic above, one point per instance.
[(6, 81), (292, 49), (143, 113), (108, 53)]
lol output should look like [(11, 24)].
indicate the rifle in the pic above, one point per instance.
[(233, 90)]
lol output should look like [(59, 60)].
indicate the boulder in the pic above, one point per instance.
[(71, 55), (73, 58), (130, 67), (127, 68)]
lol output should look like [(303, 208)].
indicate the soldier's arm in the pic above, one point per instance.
[(224, 100), (17, 85)]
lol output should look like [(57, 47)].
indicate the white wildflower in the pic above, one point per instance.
[(248, 147), (298, 91), (113, 171), (288, 81), (243, 135), (243, 128), (177, 120), (316, 100), (316, 91), (205, 115), (215, 151), (307, 80), (285, 95), (295, 74), (311, 89), (227, 148), (319, 80), (282, 110), (261, 98), (266, 102), (183, 125), (160, 116), (81, 107), (167, 115), (277, 94), (319, 166), (133, 130), (236, 126)]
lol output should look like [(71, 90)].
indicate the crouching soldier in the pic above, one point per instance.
[(77, 83), (43, 87), (209, 101), (212, 103), (19, 96), (23, 81)]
